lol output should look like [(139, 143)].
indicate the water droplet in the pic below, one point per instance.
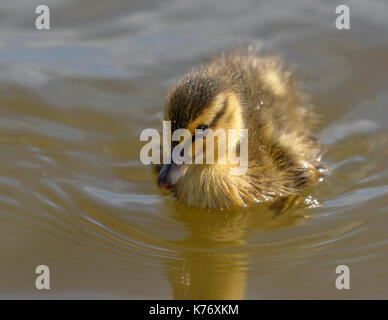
[(310, 202)]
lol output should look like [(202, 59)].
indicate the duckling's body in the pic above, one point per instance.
[(244, 90)]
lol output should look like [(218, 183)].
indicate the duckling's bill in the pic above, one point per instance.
[(170, 174)]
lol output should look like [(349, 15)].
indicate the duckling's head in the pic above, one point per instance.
[(197, 103)]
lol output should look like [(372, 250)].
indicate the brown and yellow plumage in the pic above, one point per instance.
[(245, 90)]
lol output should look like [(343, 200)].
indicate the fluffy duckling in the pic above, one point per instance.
[(244, 90)]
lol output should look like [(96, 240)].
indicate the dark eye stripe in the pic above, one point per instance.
[(202, 127), (218, 115)]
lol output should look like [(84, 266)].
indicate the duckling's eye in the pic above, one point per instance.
[(202, 127)]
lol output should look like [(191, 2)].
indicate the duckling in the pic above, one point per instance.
[(244, 89)]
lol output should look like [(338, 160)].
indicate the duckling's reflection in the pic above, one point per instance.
[(214, 261)]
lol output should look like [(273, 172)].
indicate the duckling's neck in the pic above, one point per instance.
[(212, 186)]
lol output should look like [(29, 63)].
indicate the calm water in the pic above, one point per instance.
[(74, 195)]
